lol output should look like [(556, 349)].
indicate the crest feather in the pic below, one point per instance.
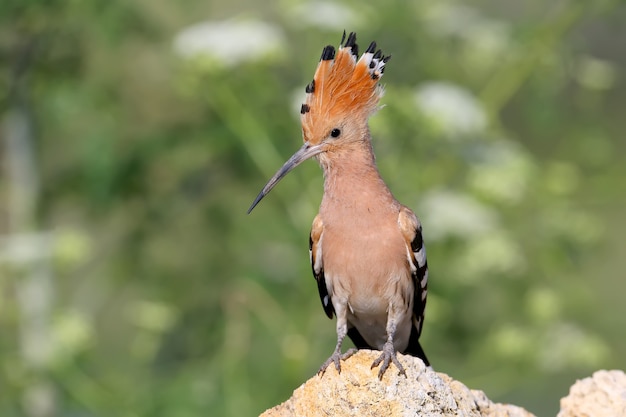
[(343, 84)]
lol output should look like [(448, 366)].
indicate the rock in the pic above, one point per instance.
[(358, 392), (602, 394)]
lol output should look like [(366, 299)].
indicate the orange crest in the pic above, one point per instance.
[(344, 85)]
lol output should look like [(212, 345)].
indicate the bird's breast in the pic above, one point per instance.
[(367, 265)]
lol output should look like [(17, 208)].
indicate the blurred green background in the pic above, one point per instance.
[(135, 134)]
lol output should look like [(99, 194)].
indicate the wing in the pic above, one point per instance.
[(315, 254), (416, 253)]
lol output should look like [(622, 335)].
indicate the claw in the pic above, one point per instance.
[(336, 358), (388, 355)]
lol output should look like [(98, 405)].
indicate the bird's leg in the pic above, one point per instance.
[(342, 331), (389, 352)]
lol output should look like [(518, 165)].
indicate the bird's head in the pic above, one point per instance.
[(343, 94)]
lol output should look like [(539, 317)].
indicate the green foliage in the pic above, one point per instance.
[(139, 287)]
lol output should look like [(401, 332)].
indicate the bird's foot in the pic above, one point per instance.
[(336, 358), (388, 355)]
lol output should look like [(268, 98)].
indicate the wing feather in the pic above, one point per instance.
[(416, 254), (315, 254)]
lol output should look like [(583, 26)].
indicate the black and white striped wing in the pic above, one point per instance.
[(419, 272), (416, 254), (315, 255)]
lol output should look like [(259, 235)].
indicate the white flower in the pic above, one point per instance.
[(543, 304), (565, 345), (25, 247), (153, 315), (495, 253), (72, 332), (453, 214), (453, 109), (484, 41), (502, 173), (230, 42), (487, 45), (445, 19), (595, 74), (324, 14)]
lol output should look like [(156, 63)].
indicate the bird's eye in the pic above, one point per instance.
[(335, 133)]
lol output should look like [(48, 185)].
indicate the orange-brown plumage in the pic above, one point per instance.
[(342, 86)]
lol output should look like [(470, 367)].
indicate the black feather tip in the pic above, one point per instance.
[(310, 88), (328, 53), (351, 43)]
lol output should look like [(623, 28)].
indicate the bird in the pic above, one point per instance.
[(366, 249)]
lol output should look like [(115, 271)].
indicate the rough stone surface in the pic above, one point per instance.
[(358, 392), (601, 395)]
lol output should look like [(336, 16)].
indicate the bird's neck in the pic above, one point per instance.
[(352, 181)]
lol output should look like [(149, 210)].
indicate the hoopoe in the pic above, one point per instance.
[(366, 249)]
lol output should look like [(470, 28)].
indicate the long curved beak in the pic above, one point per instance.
[(305, 152)]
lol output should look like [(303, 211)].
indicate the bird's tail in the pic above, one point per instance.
[(358, 340), (414, 348)]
